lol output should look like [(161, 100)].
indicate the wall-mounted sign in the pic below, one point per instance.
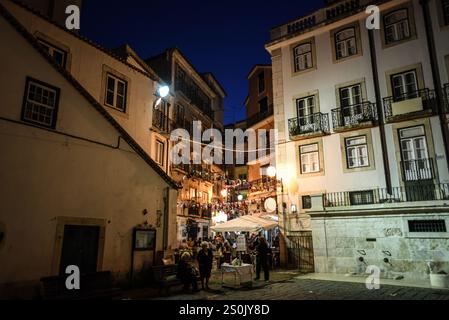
[(144, 239)]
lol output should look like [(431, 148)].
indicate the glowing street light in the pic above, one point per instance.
[(163, 91), (224, 193), (240, 197), (271, 172)]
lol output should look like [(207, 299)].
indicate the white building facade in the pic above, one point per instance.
[(362, 151)]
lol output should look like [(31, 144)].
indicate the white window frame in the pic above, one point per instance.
[(360, 152), (416, 163), (347, 45), (405, 85), (310, 160), (309, 108), (398, 28), (303, 57), (160, 152), (115, 94), (40, 109)]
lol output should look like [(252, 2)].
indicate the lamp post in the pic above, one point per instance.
[(162, 92)]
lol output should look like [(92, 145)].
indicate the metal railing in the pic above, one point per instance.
[(260, 116), (314, 123), (354, 115), (428, 99), (195, 171), (412, 193), (162, 122), (418, 170), (265, 184)]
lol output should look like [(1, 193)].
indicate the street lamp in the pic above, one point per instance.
[(162, 92)]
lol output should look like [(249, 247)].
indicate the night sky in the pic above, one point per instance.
[(223, 37)]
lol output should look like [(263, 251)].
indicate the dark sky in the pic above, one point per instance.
[(225, 37)]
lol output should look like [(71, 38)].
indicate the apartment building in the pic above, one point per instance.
[(77, 187), (363, 134), (197, 97)]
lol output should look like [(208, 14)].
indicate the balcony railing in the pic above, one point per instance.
[(446, 97), (354, 115), (260, 116), (315, 123), (264, 185), (162, 122), (415, 193), (418, 170), (392, 105), (196, 171)]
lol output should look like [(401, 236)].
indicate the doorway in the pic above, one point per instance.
[(80, 248)]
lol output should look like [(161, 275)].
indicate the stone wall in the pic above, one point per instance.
[(340, 242)]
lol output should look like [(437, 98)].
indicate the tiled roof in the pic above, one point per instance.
[(136, 147)]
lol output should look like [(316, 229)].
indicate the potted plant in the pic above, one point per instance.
[(438, 278)]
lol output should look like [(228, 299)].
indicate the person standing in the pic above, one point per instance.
[(205, 261), (262, 259), (187, 273)]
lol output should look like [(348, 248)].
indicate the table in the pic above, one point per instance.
[(239, 272)]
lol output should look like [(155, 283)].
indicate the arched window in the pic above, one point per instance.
[(302, 55), (397, 26), (345, 43)]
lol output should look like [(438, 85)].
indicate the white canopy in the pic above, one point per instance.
[(246, 224)]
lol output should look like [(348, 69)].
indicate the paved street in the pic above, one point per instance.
[(295, 289)]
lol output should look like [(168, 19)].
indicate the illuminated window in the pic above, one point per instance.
[(40, 103), (397, 26), (346, 43), (302, 56)]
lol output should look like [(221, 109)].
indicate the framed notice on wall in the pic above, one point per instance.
[(144, 240)]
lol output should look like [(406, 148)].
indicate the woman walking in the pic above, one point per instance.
[(205, 260)]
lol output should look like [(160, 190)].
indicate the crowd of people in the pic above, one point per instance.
[(195, 258)]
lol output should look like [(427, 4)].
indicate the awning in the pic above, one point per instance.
[(246, 224)]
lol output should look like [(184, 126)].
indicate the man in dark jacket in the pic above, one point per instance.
[(262, 259)]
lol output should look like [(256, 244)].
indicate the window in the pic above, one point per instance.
[(427, 226), (351, 102), (357, 152), (59, 55), (40, 105), (263, 106), (307, 202), (404, 85), (302, 57), (358, 198), (261, 79), (116, 90), (415, 156), (305, 108), (445, 4), (160, 147), (180, 114), (397, 26), (345, 43), (310, 158)]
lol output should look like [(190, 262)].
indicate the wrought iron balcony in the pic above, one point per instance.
[(412, 193), (162, 122), (354, 115), (418, 170), (195, 171), (260, 117), (317, 123), (397, 105), (265, 184)]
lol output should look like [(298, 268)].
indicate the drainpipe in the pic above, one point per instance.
[(380, 111), (435, 74)]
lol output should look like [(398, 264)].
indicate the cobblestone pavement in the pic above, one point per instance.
[(319, 290)]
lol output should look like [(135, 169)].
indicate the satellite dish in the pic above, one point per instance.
[(270, 205)]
